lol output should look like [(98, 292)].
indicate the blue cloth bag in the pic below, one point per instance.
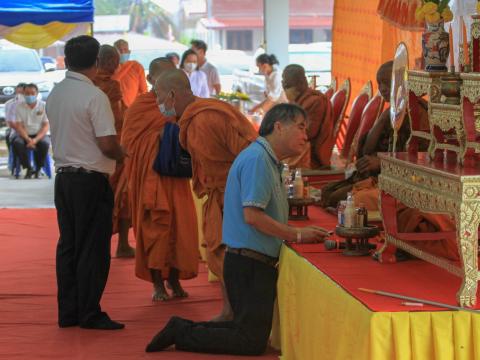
[(172, 160)]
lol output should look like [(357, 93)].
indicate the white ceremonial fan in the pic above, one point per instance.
[(398, 90)]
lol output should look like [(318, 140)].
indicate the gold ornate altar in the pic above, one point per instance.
[(437, 187), (453, 111), (436, 181)]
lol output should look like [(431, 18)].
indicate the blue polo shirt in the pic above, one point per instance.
[(254, 180)]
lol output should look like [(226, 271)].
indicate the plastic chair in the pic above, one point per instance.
[(369, 116), (16, 168), (339, 102), (355, 117), (331, 89)]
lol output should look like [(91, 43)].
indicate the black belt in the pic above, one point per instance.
[(78, 170), (271, 261)]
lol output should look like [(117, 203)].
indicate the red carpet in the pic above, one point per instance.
[(414, 278), (28, 328)]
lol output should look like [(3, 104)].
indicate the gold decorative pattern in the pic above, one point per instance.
[(471, 90), (475, 29), (436, 191), (418, 85), (447, 117)]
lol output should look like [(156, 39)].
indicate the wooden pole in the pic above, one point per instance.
[(428, 302)]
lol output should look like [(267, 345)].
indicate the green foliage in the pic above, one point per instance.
[(112, 7)]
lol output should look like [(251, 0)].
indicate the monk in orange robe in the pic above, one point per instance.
[(163, 212), (214, 133), (108, 61), (364, 183), (130, 74), (318, 151)]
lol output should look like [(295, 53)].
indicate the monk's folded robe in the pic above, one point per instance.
[(131, 77), (163, 213), (214, 133)]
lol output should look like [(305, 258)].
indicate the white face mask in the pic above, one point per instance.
[(190, 67)]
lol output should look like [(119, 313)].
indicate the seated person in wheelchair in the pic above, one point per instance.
[(31, 131)]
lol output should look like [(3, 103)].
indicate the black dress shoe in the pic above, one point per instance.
[(165, 338), (66, 324), (102, 323), (29, 174)]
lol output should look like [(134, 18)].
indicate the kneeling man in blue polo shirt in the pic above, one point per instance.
[(254, 227)]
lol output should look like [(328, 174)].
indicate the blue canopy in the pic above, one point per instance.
[(16, 12)]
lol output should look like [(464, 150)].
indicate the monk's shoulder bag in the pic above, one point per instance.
[(172, 159)]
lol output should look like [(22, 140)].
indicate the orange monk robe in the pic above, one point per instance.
[(163, 212), (214, 133), (413, 220), (118, 180), (131, 77), (320, 130)]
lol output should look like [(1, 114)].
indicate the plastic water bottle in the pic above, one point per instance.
[(350, 214), (286, 177), (298, 184)]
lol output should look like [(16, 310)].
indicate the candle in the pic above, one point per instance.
[(450, 46), (466, 55)]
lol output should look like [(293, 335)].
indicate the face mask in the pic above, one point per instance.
[(20, 97), (30, 99), (190, 67), (165, 112), (124, 57)]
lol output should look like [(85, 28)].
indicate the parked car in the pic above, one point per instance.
[(20, 64), (228, 64), (314, 57), (49, 63)]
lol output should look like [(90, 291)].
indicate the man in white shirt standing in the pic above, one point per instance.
[(200, 47), (85, 149), (31, 126)]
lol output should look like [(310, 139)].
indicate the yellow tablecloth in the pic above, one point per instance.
[(317, 319)]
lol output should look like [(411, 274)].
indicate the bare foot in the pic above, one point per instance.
[(178, 292), (127, 252), (160, 295), (174, 284)]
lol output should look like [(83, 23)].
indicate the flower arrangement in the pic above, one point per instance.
[(232, 96), (434, 11)]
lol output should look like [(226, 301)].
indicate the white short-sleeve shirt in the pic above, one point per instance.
[(79, 112), (274, 89), (212, 76), (11, 109), (32, 118), (199, 84)]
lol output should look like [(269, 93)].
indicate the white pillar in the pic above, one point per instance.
[(276, 29)]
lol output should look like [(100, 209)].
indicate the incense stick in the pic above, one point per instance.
[(428, 302)]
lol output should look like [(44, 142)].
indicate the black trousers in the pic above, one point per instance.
[(251, 288), (39, 153), (84, 205)]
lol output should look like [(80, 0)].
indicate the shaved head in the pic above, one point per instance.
[(384, 79), (385, 68), (108, 58), (157, 67), (173, 91), (174, 80), (294, 76)]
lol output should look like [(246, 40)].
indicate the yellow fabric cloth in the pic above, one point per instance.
[(362, 42), (317, 319), (38, 36)]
